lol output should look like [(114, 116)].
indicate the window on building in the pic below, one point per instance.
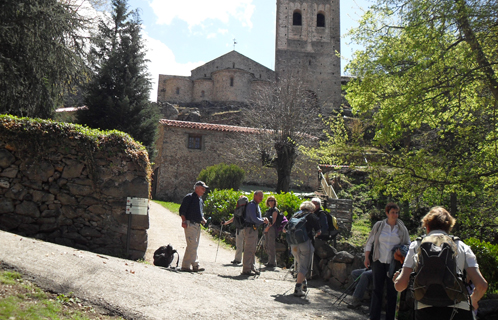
[(177, 90), (320, 20), (231, 82), (194, 141), (297, 19), (203, 94), (233, 65)]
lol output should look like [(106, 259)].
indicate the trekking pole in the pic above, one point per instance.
[(257, 248), (348, 290), (219, 238)]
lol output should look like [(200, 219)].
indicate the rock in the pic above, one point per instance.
[(9, 172), (90, 232), (6, 158), (344, 257), (169, 111), (28, 208), (72, 169), (9, 222), (323, 250), (6, 205)]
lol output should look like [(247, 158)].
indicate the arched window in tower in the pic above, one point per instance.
[(297, 19), (320, 20), (177, 90), (231, 81), (203, 94)]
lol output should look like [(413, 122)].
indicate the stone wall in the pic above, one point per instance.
[(178, 166), (64, 186)]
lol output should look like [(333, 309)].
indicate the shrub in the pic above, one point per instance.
[(487, 257), (222, 176), (220, 204), (288, 203)]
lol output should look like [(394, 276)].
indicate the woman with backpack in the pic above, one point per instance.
[(438, 224), (299, 233), (385, 235), (271, 230)]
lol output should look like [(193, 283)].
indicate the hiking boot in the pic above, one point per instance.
[(298, 291), (256, 272), (355, 303), (185, 270), (270, 266), (197, 269), (235, 262)]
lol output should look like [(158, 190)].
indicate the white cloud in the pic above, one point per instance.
[(223, 31), (211, 35), (195, 12), (162, 61)]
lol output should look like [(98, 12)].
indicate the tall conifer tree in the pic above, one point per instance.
[(118, 95)]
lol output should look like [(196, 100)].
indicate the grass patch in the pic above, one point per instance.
[(21, 299), (171, 206)]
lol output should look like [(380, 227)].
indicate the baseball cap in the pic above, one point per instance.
[(201, 183)]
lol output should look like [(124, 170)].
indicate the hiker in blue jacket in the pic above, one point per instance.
[(253, 220)]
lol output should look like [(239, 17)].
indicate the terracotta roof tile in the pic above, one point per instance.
[(207, 126)]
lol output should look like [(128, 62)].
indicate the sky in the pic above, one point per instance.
[(180, 35)]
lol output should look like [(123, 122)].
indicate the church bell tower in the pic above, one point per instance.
[(307, 44)]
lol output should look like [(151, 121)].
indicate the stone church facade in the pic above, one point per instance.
[(230, 78), (307, 43)]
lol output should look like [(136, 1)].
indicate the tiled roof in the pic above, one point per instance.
[(207, 126)]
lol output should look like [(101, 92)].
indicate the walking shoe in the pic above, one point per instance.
[(305, 286), (256, 272), (355, 303), (250, 273), (235, 262), (186, 269), (270, 266), (298, 291), (197, 269)]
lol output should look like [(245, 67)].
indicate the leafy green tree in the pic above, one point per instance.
[(117, 96), (426, 81), (42, 50)]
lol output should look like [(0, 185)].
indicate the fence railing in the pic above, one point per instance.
[(329, 191)]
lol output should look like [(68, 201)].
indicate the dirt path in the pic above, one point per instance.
[(266, 296)]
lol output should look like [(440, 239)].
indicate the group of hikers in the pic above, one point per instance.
[(442, 269)]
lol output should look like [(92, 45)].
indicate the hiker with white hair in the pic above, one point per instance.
[(299, 233)]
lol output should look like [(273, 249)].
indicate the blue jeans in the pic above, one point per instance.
[(362, 285), (379, 271)]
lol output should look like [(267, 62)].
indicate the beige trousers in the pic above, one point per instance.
[(192, 235)]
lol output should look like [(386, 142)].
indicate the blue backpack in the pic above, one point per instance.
[(296, 228)]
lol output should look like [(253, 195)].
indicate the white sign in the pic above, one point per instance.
[(138, 206)]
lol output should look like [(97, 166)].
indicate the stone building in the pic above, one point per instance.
[(230, 78), (185, 148), (307, 40)]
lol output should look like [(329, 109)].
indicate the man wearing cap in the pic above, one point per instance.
[(191, 211)]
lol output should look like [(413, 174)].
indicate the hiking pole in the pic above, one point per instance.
[(257, 247), (219, 238), (311, 272), (348, 290)]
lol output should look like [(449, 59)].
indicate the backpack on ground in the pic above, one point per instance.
[(165, 255), (239, 214), (296, 228), (438, 281)]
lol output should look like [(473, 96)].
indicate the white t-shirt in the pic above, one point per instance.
[(465, 259)]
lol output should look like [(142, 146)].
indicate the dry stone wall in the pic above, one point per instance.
[(60, 185)]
